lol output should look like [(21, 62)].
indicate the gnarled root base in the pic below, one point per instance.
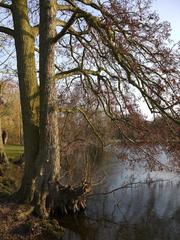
[(66, 199)]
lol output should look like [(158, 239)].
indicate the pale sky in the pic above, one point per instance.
[(170, 10)]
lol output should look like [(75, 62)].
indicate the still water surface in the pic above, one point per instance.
[(148, 211)]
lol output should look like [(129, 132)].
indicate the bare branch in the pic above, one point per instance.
[(75, 71), (65, 8), (77, 109), (92, 126), (71, 30), (66, 27), (6, 30), (92, 4), (4, 5), (127, 185)]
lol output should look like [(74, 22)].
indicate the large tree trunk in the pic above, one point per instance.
[(49, 154), (25, 43), (41, 138)]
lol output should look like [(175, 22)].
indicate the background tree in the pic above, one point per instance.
[(3, 111), (117, 51), (11, 119)]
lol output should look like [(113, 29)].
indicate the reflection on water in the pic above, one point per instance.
[(143, 211)]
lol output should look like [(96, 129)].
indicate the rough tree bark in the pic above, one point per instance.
[(29, 92), (48, 163)]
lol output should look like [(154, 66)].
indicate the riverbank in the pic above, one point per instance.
[(17, 226), (14, 224)]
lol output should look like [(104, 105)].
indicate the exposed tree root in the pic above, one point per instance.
[(65, 200), (58, 201), (24, 211)]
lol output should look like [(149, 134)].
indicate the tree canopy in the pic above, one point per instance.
[(112, 48)]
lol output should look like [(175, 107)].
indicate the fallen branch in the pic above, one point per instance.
[(127, 185)]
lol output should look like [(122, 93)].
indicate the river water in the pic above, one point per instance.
[(148, 208)]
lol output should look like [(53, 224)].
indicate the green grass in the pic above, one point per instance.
[(11, 175), (13, 151)]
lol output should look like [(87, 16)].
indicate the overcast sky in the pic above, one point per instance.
[(170, 10)]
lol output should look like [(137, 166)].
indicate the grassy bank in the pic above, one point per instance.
[(14, 151), (11, 174)]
